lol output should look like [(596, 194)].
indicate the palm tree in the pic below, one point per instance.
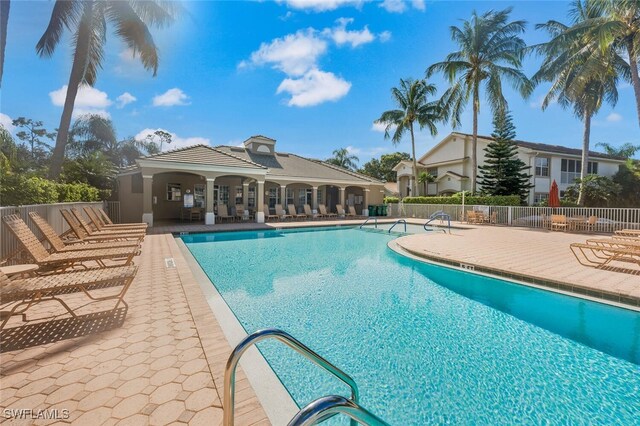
[(412, 100), (583, 75), (343, 158), (88, 19), (5, 5), (490, 51)]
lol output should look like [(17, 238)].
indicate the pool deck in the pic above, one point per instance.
[(162, 361)]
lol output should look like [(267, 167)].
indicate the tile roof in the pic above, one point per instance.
[(204, 155), (536, 146)]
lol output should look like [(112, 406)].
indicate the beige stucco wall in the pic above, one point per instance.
[(130, 203), (164, 209)]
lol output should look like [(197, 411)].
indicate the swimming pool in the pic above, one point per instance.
[(426, 344)]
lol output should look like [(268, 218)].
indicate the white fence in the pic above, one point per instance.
[(609, 219), (51, 212)]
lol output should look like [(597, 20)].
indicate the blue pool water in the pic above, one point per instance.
[(426, 344)]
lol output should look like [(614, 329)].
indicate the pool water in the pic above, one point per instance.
[(426, 344)]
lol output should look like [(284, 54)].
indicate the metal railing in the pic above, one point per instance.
[(397, 222), (438, 215), (228, 402), (51, 212), (375, 218), (328, 406), (609, 219)]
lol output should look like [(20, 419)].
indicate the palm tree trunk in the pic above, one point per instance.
[(4, 20), (77, 71), (585, 156), (474, 144), (415, 164), (635, 79)]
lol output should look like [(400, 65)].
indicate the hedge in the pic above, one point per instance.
[(495, 200), (16, 190), (391, 200)]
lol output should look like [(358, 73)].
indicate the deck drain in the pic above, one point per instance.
[(170, 263)]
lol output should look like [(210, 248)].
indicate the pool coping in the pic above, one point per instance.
[(521, 279), (272, 394)]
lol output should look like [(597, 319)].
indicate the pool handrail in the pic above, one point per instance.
[(375, 218), (438, 215), (228, 402), (328, 406), (397, 222)]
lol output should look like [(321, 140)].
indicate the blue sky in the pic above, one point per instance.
[(312, 74)]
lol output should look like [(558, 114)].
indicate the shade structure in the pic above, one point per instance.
[(554, 198)]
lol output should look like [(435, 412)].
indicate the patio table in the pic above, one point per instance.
[(575, 222)]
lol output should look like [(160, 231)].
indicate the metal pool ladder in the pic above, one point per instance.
[(439, 215), (397, 222), (375, 218), (316, 411)]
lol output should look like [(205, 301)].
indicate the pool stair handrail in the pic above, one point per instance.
[(375, 218), (228, 402), (328, 406), (397, 222), (439, 215)]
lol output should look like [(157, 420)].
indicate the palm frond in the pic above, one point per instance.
[(65, 14)]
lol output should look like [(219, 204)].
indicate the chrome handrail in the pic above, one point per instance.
[(397, 222), (439, 214), (230, 370), (375, 218), (328, 406)]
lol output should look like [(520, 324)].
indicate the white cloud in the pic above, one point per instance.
[(418, 4), (124, 99), (293, 54), (89, 100), (171, 97), (313, 88), (614, 117), (369, 152), (384, 36), (6, 122), (320, 5), (286, 16), (400, 6), (379, 127), (340, 35), (176, 141)]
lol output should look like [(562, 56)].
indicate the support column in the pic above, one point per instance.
[(147, 199), (245, 195), (210, 216), (283, 196), (365, 203), (342, 198), (260, 202), (314, 198)]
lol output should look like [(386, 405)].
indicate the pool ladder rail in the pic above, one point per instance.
[(439, 215), (316, 411), (375, 218), (397, 222)]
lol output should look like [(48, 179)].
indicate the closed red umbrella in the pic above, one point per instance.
[(554, 198)]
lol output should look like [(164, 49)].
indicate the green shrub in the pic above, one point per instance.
[(493, 200), (70, 192), (37, 190), (18, 190), (391, 200)]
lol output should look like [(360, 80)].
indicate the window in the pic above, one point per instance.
[(251, 198), (136, 184), (274, 197), (174, 192), (570, 170), (542, 166), (239, 195), (289, 196), (320, 198), (539, 197), (305, 196), (433, 171), (223, 193), (198, 195)]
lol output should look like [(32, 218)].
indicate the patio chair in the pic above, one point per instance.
[(615, 242), (352, 212), (223, 213), (599, 256), (101, 226), (340, 211), (34, 290), (60, 262), (283, 214), (589, 224), (493, 218), (121, 232), (307, 211), (59, 245), (239, 212), (268, 214), (294, 213), (471, 217), (628, 232), (82, 234), (558, 222), (323, 211)]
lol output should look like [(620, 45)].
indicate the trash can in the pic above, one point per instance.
[(384, 210), (372, 210), (378, 210)]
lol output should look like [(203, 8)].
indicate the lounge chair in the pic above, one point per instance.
[(614, 242), (31, 291), (91, 231), (82, 234), (283, 214), (58, 262), (59, 245), (101, 226), (340, 210), (239, 212), (268, 214), (558, 222), (471, 217), (352, 212), (629, 232), (599, 256), (309, 213), (323, 211), (294, 214), (223, 213)]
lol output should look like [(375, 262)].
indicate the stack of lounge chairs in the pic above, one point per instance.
[(623, 246), (89, 257)]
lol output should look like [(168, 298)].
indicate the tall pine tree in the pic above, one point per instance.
[(503, 173)]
